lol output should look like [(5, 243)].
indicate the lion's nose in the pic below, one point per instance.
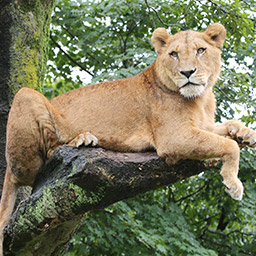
[(188, 73)]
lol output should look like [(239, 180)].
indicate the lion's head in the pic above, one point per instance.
[(189, 61)]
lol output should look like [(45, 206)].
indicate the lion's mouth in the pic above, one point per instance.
[(190, 83)]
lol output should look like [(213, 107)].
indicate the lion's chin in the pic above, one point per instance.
[(192, 90)]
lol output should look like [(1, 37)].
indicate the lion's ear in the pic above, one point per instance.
[(216, 33), (160, 39)]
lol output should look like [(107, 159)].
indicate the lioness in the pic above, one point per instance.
[(169, 107)]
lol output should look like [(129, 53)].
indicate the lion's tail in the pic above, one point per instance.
[(9, 194)]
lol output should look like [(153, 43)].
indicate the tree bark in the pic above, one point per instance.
[(24, 32), (75, 181)]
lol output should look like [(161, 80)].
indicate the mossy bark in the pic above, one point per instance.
[(24, 32), (29, 47), (75, 181)]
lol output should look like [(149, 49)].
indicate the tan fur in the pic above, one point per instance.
[(169, 107)]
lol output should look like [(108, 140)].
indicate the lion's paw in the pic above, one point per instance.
[(243, 135), (234, 188), (84, 138), (246, 136)]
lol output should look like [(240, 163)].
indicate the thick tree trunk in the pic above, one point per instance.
[(24, 31), (75, 181)]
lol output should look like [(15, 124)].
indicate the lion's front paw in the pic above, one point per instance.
[(234, 188), (243, 135), (84, 138), (246, 136)]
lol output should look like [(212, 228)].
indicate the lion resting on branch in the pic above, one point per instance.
[(169, 107)]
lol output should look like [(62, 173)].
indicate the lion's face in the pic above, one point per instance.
[(189, 62)]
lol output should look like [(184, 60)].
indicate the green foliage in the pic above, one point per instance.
[(52, 90), (219, 222), (111, 40), (150, 225)]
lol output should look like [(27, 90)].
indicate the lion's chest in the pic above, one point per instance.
[(174, 113)]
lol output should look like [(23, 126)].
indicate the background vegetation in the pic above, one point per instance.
[(98, 40)]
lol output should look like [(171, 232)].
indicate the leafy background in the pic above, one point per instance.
[(93, 41)]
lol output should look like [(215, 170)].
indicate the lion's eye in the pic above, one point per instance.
[(174, 54), (200, 51)]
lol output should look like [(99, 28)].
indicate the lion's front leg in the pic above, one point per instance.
[(194, 143), (238, 132)]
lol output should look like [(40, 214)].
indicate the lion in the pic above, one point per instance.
[(169, 107)]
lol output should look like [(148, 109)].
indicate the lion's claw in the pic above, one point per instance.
[(84, 138)]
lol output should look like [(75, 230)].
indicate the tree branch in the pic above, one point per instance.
[(158, 17), (156, 13), (75, 37), (75, 181), (230, 233), (189, 195), (70, 58), (222, 9), (225, 245)]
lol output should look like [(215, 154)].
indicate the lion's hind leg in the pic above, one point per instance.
[(34, 130)]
